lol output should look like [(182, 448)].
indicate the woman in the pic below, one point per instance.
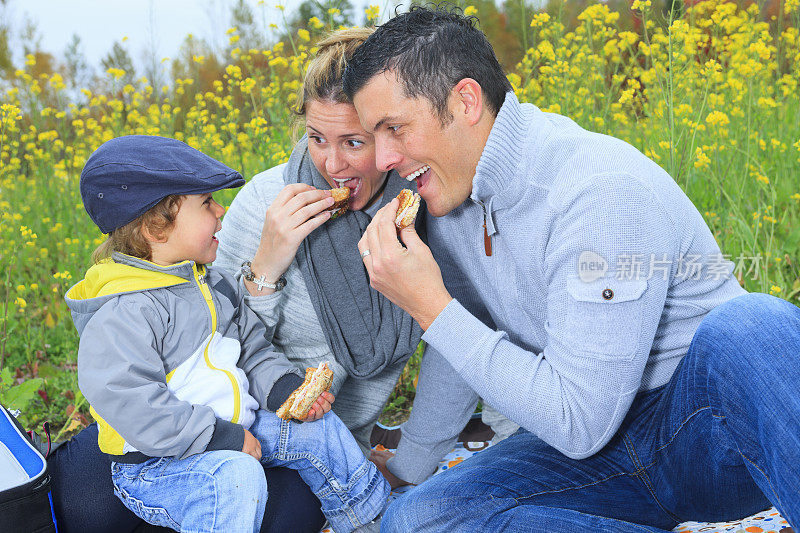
[(326, 311)]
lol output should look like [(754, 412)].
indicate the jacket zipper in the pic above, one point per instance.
[(201, 283), (487, 240)]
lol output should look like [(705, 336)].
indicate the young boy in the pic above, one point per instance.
[(176, 368)]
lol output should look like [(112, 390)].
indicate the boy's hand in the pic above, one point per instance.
[(321, 406), (251, 445)]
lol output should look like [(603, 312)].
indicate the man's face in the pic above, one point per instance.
[(410, 138)]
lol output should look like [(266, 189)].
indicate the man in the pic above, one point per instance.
[(648, 394)]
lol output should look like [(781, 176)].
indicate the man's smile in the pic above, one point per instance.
[(418, 172)]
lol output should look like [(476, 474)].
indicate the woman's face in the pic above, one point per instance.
[(342, 151)]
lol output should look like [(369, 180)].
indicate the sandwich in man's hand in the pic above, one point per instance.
[(407, 211), (298, 404), (341, 199)]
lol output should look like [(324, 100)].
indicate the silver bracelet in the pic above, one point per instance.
[(261, 281)]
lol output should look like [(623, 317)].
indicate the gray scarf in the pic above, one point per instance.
[(365, 331)]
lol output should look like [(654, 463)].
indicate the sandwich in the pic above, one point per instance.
[(298, 404), (407, 211), (341, 199)]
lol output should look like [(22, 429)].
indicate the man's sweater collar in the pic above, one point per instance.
[(502, 155)]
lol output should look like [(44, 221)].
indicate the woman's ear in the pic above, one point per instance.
[(469, 100)]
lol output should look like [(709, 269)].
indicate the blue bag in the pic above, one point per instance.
[(26, 504)]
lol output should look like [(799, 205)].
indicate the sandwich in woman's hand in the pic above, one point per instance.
[(298, 404), (407, 211), (341, 198)]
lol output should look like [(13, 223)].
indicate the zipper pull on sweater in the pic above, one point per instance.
[(487, 241)]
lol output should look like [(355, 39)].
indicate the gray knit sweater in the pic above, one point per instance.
[(557, 329)]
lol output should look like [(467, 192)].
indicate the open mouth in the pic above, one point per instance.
[(354, 184), (417, 173), (421, 175)]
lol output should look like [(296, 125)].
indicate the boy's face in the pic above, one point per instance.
[(192, 237)]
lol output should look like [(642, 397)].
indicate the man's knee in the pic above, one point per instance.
[(749, 331), (406, 513)]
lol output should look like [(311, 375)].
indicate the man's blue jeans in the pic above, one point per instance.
[(226, 491), (719, 441)]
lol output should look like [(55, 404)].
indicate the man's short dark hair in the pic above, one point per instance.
[(430, 51)]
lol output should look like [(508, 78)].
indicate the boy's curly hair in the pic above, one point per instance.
[(130, 240)]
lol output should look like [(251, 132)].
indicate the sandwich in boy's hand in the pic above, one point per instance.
[(298, 404), (341, 199), (407, 211)]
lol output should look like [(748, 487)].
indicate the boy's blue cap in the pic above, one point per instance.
[(128, 175)]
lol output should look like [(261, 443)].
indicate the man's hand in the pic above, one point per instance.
[(321, 406), (379, 457), (408, 276), (251, 445)]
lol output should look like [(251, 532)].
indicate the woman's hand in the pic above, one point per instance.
[(379, 457), (296, 212), (321, 406), (251, 445)]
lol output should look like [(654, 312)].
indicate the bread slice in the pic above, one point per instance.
[(298, 404), (341, 200), (407, 211)]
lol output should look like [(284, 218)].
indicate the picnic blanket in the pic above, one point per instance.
[(768, 521)]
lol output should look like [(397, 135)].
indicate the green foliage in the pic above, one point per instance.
[(18, 395)]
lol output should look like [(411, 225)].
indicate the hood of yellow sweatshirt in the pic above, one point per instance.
[(110, 278)]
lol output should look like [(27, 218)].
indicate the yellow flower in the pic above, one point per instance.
[(702, 159), (717, 118), (540, 19), (470, 11), (372, 12), (545, 48), (303, 34), (775, 290), (20, 302), (116, 73)]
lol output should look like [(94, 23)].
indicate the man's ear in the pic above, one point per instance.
[(469, 100)]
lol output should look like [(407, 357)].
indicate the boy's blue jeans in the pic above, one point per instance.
[(226, 491), (719, 441)]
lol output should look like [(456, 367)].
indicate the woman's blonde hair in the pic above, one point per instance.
[(323, 79), (130, 240)]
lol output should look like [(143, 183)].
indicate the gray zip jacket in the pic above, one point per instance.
[(171, 360)]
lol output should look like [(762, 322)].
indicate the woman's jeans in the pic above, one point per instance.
[(719, 441), (84, 500), (226, 491)]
